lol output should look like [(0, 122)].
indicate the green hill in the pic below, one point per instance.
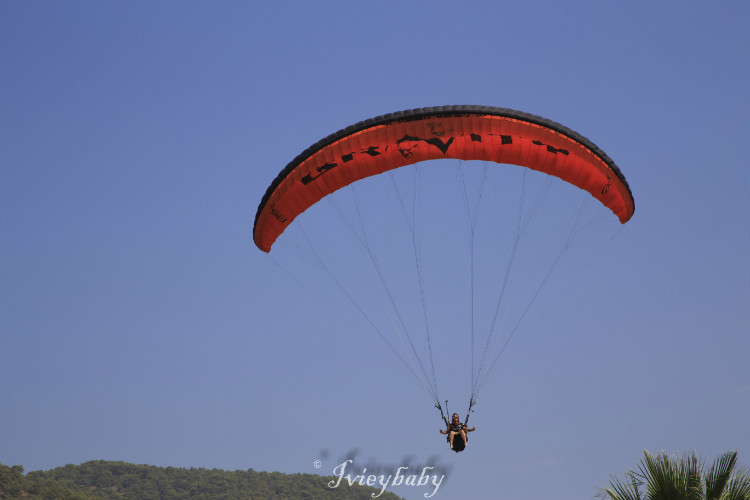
[(122, 481)]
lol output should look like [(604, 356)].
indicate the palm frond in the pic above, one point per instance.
[(738, 486), (671, 477), (719, 474), (681, 477), (625, 489)]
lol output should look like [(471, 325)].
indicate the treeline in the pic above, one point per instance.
[(122, 481)]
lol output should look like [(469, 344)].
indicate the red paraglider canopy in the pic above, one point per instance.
[(462, 132)]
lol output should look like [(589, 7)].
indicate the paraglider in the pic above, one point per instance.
[(388, 142), (457, 432)]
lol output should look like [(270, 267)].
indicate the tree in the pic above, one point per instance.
[(677, 477)]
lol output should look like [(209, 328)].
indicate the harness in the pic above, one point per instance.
[(468, 412)]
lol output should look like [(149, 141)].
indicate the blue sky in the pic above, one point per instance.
[(139, 322)]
